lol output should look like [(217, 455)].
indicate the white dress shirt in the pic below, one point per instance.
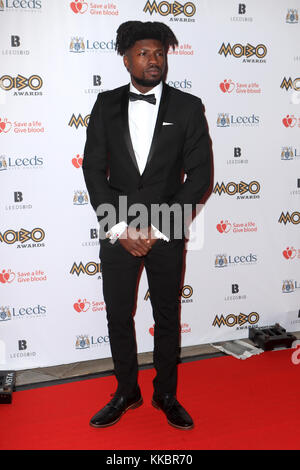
[(142, 118)]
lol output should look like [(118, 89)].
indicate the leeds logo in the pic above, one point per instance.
[(287, 153), (80, 198), (288, 286), (292, 16), (82, 342), (77, 45), (5, 314), (223, 120)]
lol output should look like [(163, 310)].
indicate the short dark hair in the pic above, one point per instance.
[(131, 31)]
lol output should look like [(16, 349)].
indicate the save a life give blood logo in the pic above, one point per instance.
[(224, 226), (7, 276), (5, 125), (240, 88), (227, 86), (81, 305), (291, 121), (79, 6), (291, 253)]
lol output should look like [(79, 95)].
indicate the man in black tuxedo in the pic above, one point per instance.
[(141, 138)]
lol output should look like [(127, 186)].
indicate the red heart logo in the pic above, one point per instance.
[(219, 228), (151, 330), (2, 278), (78, 6), (285, 122), (223, 87), (5, 126), (227, 86), (289, 252), (77, 161), (7, 276), (77, 307), (289, 121), (74, 7)]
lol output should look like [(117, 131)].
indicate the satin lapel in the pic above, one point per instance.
[(124, 112), (160, 117)]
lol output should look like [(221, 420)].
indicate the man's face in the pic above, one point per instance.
[(146, 63)]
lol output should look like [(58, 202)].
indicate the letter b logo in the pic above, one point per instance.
[(18, 196), (15, 41), (96, 80), (242, 8), (22, 344), (235, 288), (94, 233), (237, 151)]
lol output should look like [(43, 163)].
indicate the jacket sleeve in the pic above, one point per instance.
[(196, 159), (197, 168)]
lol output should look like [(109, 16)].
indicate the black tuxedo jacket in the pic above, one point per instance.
[(181, 146)]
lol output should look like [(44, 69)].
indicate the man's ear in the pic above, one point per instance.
[(126, 62)]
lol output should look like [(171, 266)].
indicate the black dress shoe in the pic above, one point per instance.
[(176, 415), (113, 411)]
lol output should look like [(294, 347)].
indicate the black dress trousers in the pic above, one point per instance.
[(120, 273)]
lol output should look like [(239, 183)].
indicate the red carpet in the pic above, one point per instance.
[(251, 404)]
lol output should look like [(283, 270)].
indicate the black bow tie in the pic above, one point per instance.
[(135, 97)]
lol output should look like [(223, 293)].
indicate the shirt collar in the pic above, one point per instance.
[(157, 91)]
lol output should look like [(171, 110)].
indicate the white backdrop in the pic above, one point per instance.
[(243, 60)]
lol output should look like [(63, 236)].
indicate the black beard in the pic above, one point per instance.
[(147, 83)]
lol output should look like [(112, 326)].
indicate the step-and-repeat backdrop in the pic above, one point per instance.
[(243, 60)]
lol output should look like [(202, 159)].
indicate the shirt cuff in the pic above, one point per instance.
[(116, 231), (158, 234)]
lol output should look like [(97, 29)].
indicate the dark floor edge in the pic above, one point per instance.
[(97, 375)]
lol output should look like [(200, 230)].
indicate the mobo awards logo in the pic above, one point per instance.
[(79, 121), (165, 8), (288, 83), (248, 51), (293, 218), (34, 83), (236, 320), (232, 188)]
